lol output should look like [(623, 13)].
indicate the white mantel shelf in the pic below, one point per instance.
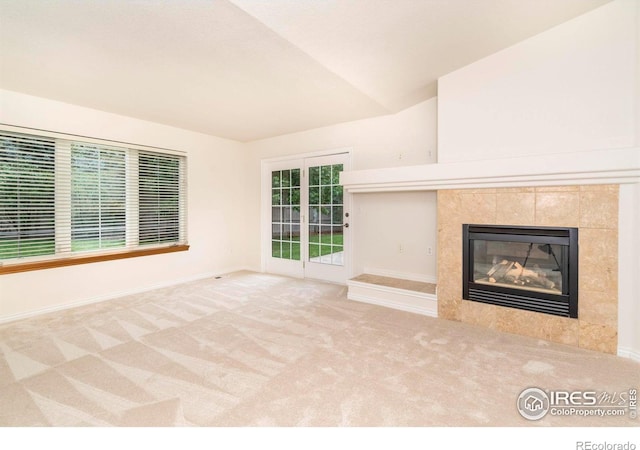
[(610, 166)]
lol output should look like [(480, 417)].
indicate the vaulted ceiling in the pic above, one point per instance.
[(249, 69)]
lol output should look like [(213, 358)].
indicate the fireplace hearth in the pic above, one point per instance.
[(529, 268)]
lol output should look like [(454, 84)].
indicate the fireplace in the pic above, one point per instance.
[(529, 268)]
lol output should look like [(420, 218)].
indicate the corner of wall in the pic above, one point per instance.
[(629, 268)]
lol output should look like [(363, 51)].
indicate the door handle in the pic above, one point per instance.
[(346, 225)]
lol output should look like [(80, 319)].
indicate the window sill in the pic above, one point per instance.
[(74, 260)]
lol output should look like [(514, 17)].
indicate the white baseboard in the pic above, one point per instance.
[(629, 353), (402, 299), (257, 269), (236, 269), (401, 275), (113, 295)]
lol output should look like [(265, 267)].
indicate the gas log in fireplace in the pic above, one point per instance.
[(530, 268)]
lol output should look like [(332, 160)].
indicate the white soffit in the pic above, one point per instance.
[(249, 69)]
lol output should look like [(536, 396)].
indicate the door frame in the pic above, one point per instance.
[(266, 165)]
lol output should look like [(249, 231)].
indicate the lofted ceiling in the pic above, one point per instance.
[(250, 69)]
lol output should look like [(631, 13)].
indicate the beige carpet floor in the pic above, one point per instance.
[(254, 349)]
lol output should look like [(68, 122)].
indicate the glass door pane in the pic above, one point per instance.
[(285, 214), (326, 213)]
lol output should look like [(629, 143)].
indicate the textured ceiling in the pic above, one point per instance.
[(249, 69)]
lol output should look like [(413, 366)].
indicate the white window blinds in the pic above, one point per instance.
[(61, 196), (27, 196), (98, 197), (159, 197)]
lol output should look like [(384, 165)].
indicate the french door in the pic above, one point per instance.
[(309, 218)]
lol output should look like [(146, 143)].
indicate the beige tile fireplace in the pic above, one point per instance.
[(591, 208)]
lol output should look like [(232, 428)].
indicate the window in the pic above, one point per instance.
[(159, 180), (65, 198), (27, 197), (98, 197)]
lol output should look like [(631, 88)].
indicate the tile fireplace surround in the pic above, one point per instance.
[(591, 208)]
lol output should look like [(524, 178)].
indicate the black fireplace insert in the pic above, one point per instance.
[(530, 268)]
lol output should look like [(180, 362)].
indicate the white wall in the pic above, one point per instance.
[(637, 93), (628, 270), (214, 192), (629, 245), (568, 89), (405, 138), (396, 234)]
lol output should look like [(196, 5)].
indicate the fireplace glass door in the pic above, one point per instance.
[(530, 268), (519, 265)]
